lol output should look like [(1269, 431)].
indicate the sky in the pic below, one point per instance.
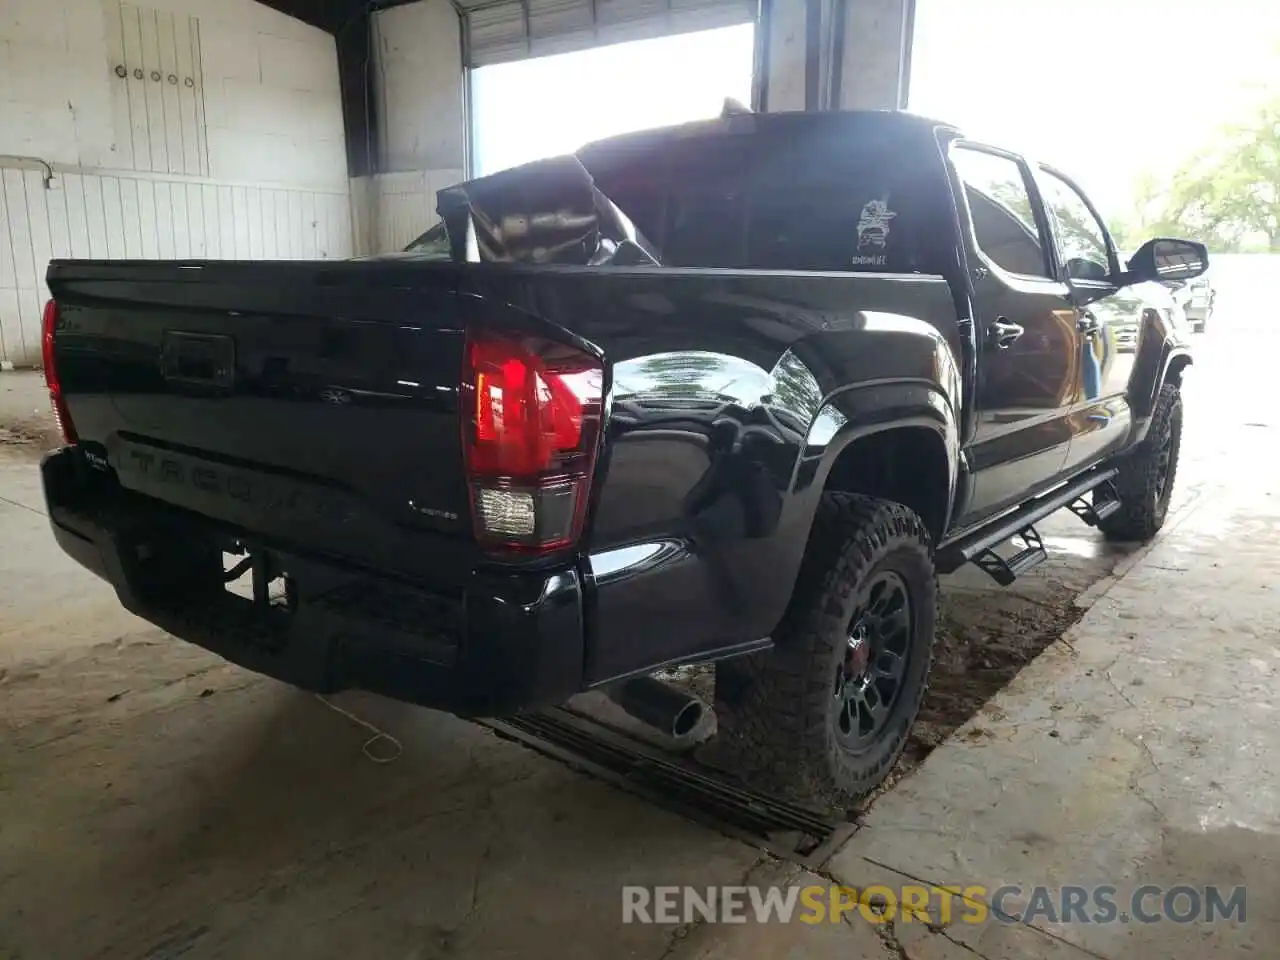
[(1103, 89)]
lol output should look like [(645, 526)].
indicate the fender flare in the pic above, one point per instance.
[(1173, 359), (873, 408), (1178, 360)]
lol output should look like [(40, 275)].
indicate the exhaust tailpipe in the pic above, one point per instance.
[(652, 702)]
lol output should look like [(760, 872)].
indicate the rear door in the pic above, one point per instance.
[(1027, 342), (1085, 259)]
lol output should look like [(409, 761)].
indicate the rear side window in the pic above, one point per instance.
[(706, 195), (1004, 222), (770, 202)]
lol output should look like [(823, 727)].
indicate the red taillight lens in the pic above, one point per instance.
[(49, 324), (531, 424)]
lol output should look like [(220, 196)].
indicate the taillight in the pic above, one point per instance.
[(531, 424), (49, 324)]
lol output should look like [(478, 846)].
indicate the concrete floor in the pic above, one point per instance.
[(1133, 752), (157, 802)]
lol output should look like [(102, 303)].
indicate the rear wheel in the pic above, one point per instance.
[(827, 712), (1145, 483)]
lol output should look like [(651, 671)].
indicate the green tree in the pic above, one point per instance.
[(1123, 233), (1227, 196)]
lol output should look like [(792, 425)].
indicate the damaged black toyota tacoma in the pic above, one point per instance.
[(735, 391)]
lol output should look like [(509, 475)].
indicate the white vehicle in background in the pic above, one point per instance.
[(1196, 299), (1125, 319)]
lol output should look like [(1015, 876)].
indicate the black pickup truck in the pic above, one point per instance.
[(735, 392)]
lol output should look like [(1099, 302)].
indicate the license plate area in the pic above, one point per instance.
[(234, 594), (205, 360), (256, 603), (206, 585)]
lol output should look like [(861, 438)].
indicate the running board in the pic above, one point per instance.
[(981, 542)]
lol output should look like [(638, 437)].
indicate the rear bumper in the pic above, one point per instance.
[(509, 642)]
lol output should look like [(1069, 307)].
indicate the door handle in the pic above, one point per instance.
[(1002, 333), (1088, 323)]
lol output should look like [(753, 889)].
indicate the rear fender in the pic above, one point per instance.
[(723, 429), (906, 377), (871, 407), (877, 409)]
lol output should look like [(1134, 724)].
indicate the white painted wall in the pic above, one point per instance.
[(877, 45), (422, 121), (873, 74), (403, 206), (784, 58), (248, 162)]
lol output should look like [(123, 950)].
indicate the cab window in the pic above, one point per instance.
[(762, 201), (1004, 222)]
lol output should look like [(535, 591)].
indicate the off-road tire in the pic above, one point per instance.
[(776, 708), (1144, 499)]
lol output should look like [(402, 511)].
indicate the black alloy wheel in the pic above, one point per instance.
[(826, 713), (868, 681)]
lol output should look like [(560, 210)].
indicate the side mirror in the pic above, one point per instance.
[(1165, 260)]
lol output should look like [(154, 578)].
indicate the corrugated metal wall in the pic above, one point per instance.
[(500, 31), (137, 216)]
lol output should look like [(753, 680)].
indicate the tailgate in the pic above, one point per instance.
[(313, 404)]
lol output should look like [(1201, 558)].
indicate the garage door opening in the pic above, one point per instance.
[(531, 109)]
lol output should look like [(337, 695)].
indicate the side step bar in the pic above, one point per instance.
[(1093, 513), (978, 546), (1003, 571)]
